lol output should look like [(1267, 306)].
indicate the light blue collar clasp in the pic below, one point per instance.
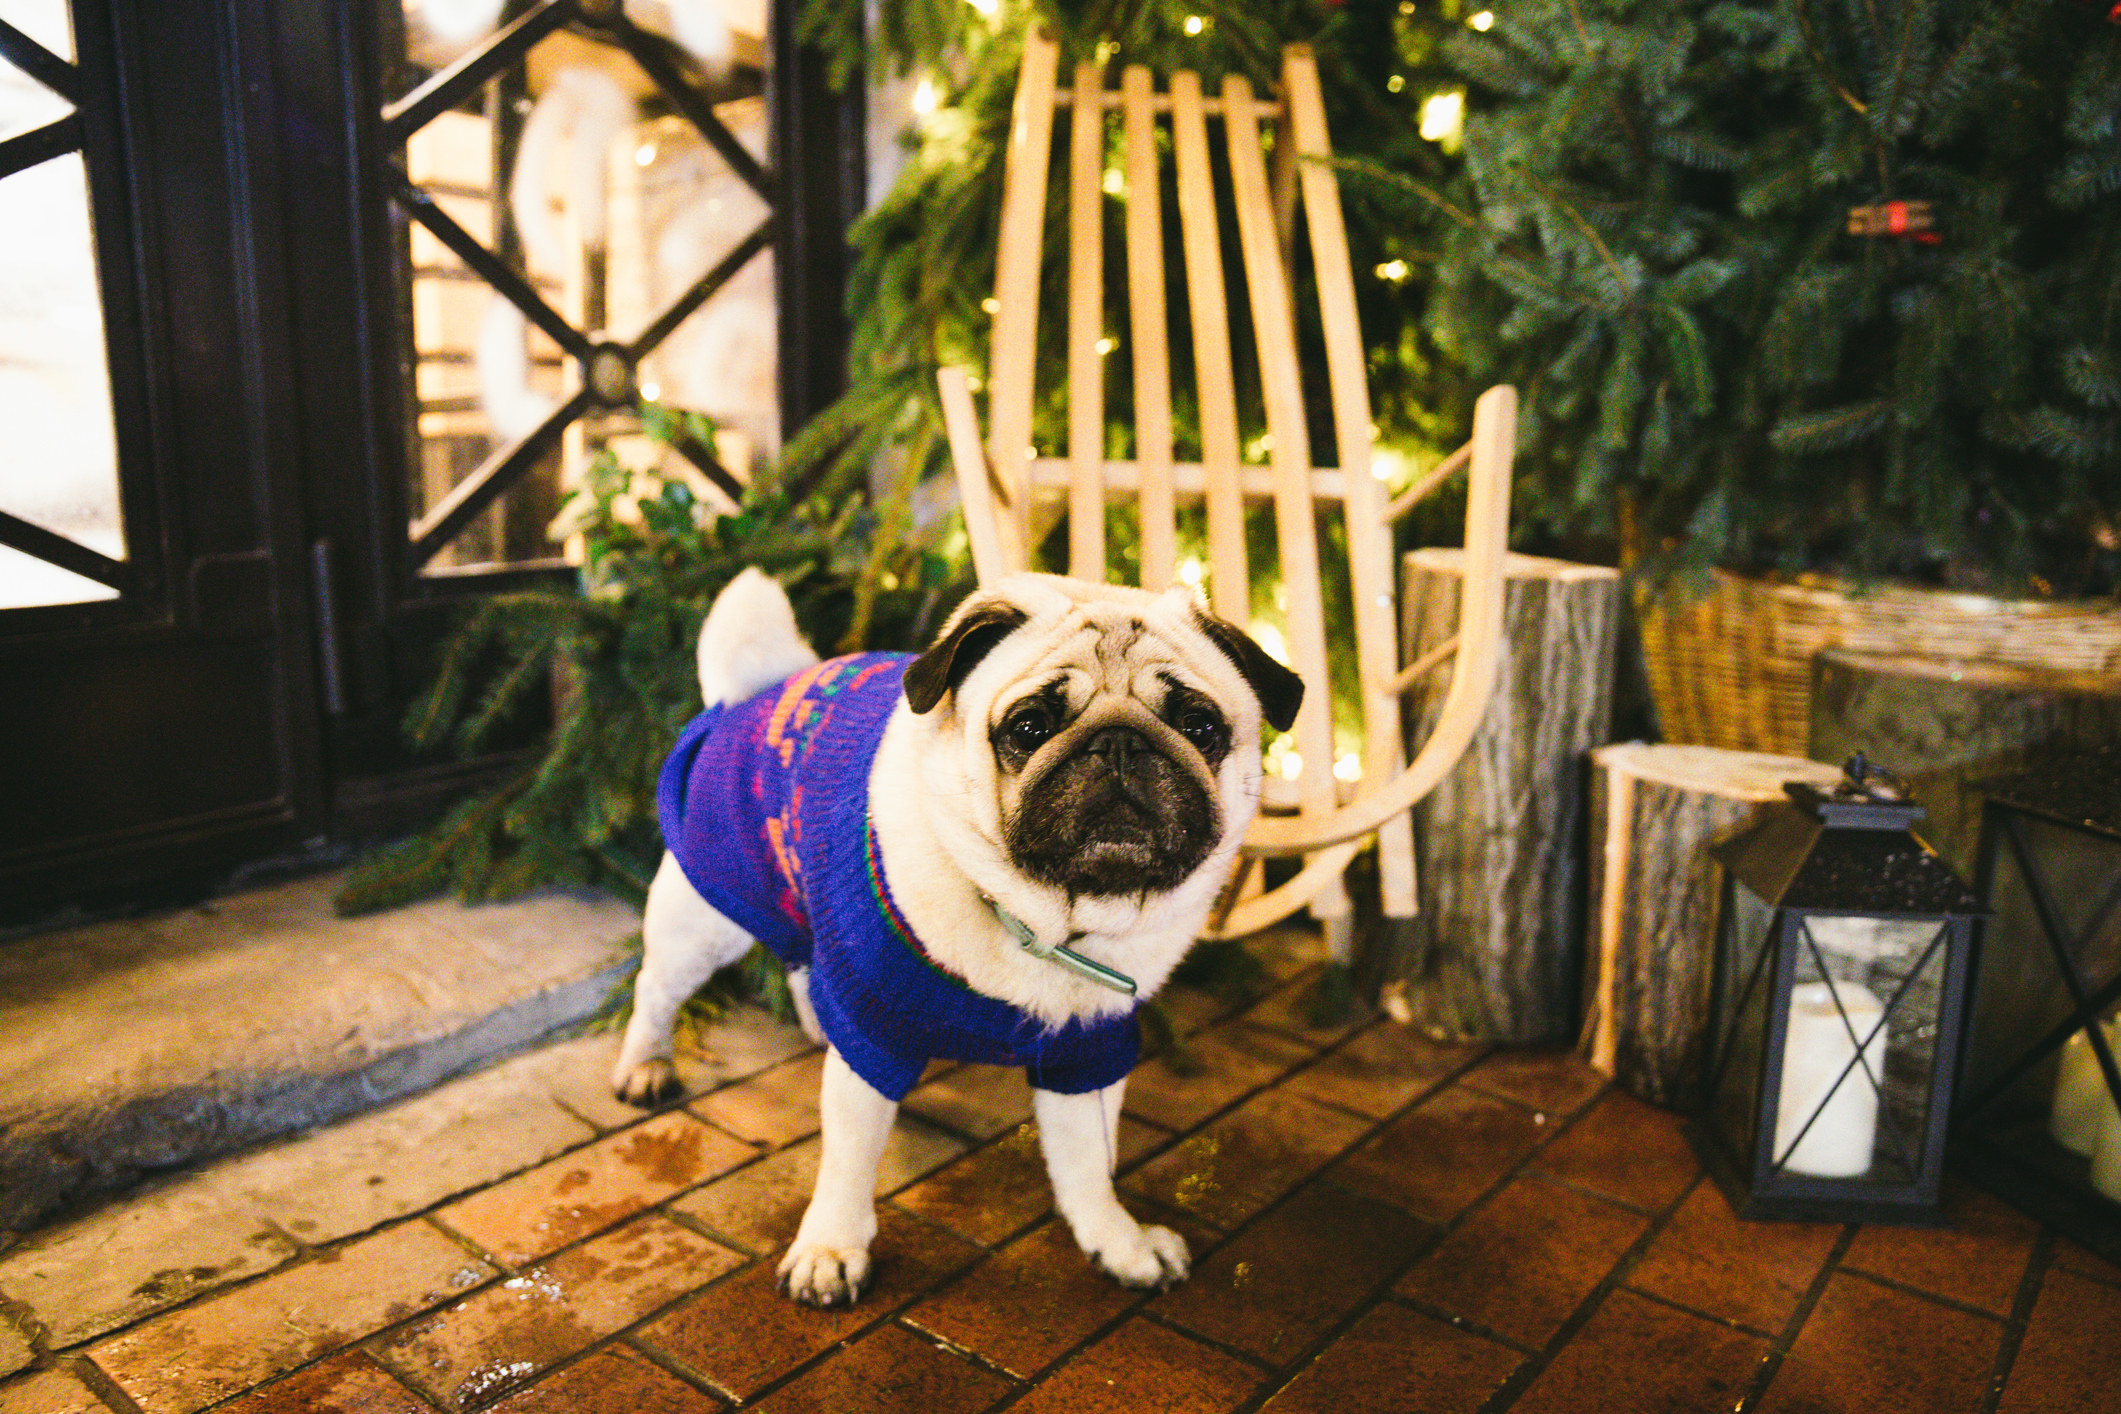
[(1061, 953)]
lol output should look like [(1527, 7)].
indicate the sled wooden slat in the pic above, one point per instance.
[(1147, 333), (989, 524), (1216, 387), (1018, 255), (1274, 332)]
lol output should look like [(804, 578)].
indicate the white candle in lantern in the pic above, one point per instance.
[(2080, 1092), (2106, 1152), (1815, 1052)]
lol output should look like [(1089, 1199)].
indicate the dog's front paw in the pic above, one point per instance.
[(653, 1082), (818, 1275), (1154, 1256)]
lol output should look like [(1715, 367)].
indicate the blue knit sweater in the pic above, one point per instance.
[(765, 804)]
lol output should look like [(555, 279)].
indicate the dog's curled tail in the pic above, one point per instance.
[(750, 640)]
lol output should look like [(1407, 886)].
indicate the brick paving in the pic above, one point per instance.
[(1379, 1223)]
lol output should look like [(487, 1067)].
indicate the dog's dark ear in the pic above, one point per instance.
[(958, 651), (1280, 691)]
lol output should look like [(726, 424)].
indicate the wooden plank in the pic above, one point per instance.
[(1319, 873), (1189, 479), (1274, 330), (1216, 387), (1363, 505), (1161, 103), (1148, 332), (1086, 328), (1618, 821), (1282, 179), (1408, 499), (1011, 366), (1479, 654), (989, 525), (1424, 663)]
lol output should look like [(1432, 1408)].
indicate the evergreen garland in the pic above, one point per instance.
[(618, 659), (1650, 236)]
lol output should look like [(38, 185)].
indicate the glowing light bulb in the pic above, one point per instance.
[(1115, 181), (458, 21), (1107, 344), (1482, 21), (925, 97), (1194, 24), (1347, 767), (1384, 465), (1443, 116), (1396, 83), (1292, 766), (991, 305), (650, 392), (985, 7), (1190, 571), (644, 154), (1392, 270)]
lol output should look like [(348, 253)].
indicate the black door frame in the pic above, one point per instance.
[(181, 180), (266, 483)]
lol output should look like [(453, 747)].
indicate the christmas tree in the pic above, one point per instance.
[(1790, 284)]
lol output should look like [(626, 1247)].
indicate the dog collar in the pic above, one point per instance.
[(1060, 953)]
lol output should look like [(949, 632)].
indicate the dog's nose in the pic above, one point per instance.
[(1118, 745)]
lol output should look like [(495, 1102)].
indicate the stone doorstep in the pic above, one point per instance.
[(135, 1047)]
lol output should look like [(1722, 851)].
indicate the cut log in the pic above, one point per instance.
[(1656, 810), (1944, 725), (1496, 946)]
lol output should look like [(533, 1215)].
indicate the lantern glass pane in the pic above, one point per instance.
[(2021, 993), (1743, 980), (1860, 1048)]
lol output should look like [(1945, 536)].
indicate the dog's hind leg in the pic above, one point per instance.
[(805, 1013), (685, 941), (828, 1263)]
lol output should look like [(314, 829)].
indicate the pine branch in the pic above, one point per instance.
[(1829, 430)]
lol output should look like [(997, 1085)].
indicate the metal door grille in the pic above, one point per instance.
[(604, 369)]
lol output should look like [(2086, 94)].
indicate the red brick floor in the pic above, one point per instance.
[(1379, 1223)]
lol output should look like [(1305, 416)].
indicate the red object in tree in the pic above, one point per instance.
[(1908, 220)]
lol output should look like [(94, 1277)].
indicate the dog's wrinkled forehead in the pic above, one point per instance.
[(1032, 631), (1102, 650)]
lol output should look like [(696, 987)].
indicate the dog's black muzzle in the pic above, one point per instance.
[(1117, 815)]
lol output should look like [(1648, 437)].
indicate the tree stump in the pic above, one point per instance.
[(1941, 726), (1656, 810), (1495, 953)]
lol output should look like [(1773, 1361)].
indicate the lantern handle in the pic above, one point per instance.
[(1866, 779)]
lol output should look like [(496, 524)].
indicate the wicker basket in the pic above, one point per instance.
[(1734, 668)]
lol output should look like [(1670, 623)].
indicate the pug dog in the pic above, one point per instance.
[(989, 852)]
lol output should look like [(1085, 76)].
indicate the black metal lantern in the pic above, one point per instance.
[(1842, 951), (2041, 1094)]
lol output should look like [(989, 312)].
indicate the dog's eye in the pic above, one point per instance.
[(1028, 729), (1201, 727)]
